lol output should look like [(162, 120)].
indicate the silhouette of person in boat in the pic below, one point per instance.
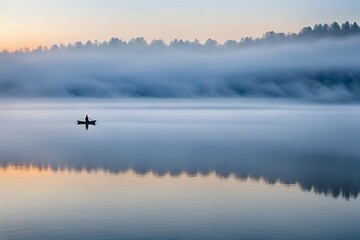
[(87, 122)]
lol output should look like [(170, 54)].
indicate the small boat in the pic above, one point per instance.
[(90, 122)]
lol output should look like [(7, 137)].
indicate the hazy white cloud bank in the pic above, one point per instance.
[(327, 70)]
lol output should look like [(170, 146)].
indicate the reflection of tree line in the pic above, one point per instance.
[(345, 185)]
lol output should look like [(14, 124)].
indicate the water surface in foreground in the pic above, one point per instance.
[(179, 170)]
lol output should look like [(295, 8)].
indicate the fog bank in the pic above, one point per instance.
[(324, 71)]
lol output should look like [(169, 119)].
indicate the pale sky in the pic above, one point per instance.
[(44, 22)]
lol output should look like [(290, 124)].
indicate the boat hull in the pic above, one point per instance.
[(92, 122)]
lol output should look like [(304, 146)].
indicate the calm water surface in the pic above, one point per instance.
[(179, 169)]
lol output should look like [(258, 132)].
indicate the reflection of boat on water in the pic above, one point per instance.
[(87, 123), (90, 122)]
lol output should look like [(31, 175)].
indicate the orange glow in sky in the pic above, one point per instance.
[(32, 23)]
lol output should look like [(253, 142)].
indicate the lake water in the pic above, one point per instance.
[(179, 169)]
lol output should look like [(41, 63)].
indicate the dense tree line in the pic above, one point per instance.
[(319, 31)]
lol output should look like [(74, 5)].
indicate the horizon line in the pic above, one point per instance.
[(40, 47)]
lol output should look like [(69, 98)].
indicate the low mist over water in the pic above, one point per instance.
[(316, 65)]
